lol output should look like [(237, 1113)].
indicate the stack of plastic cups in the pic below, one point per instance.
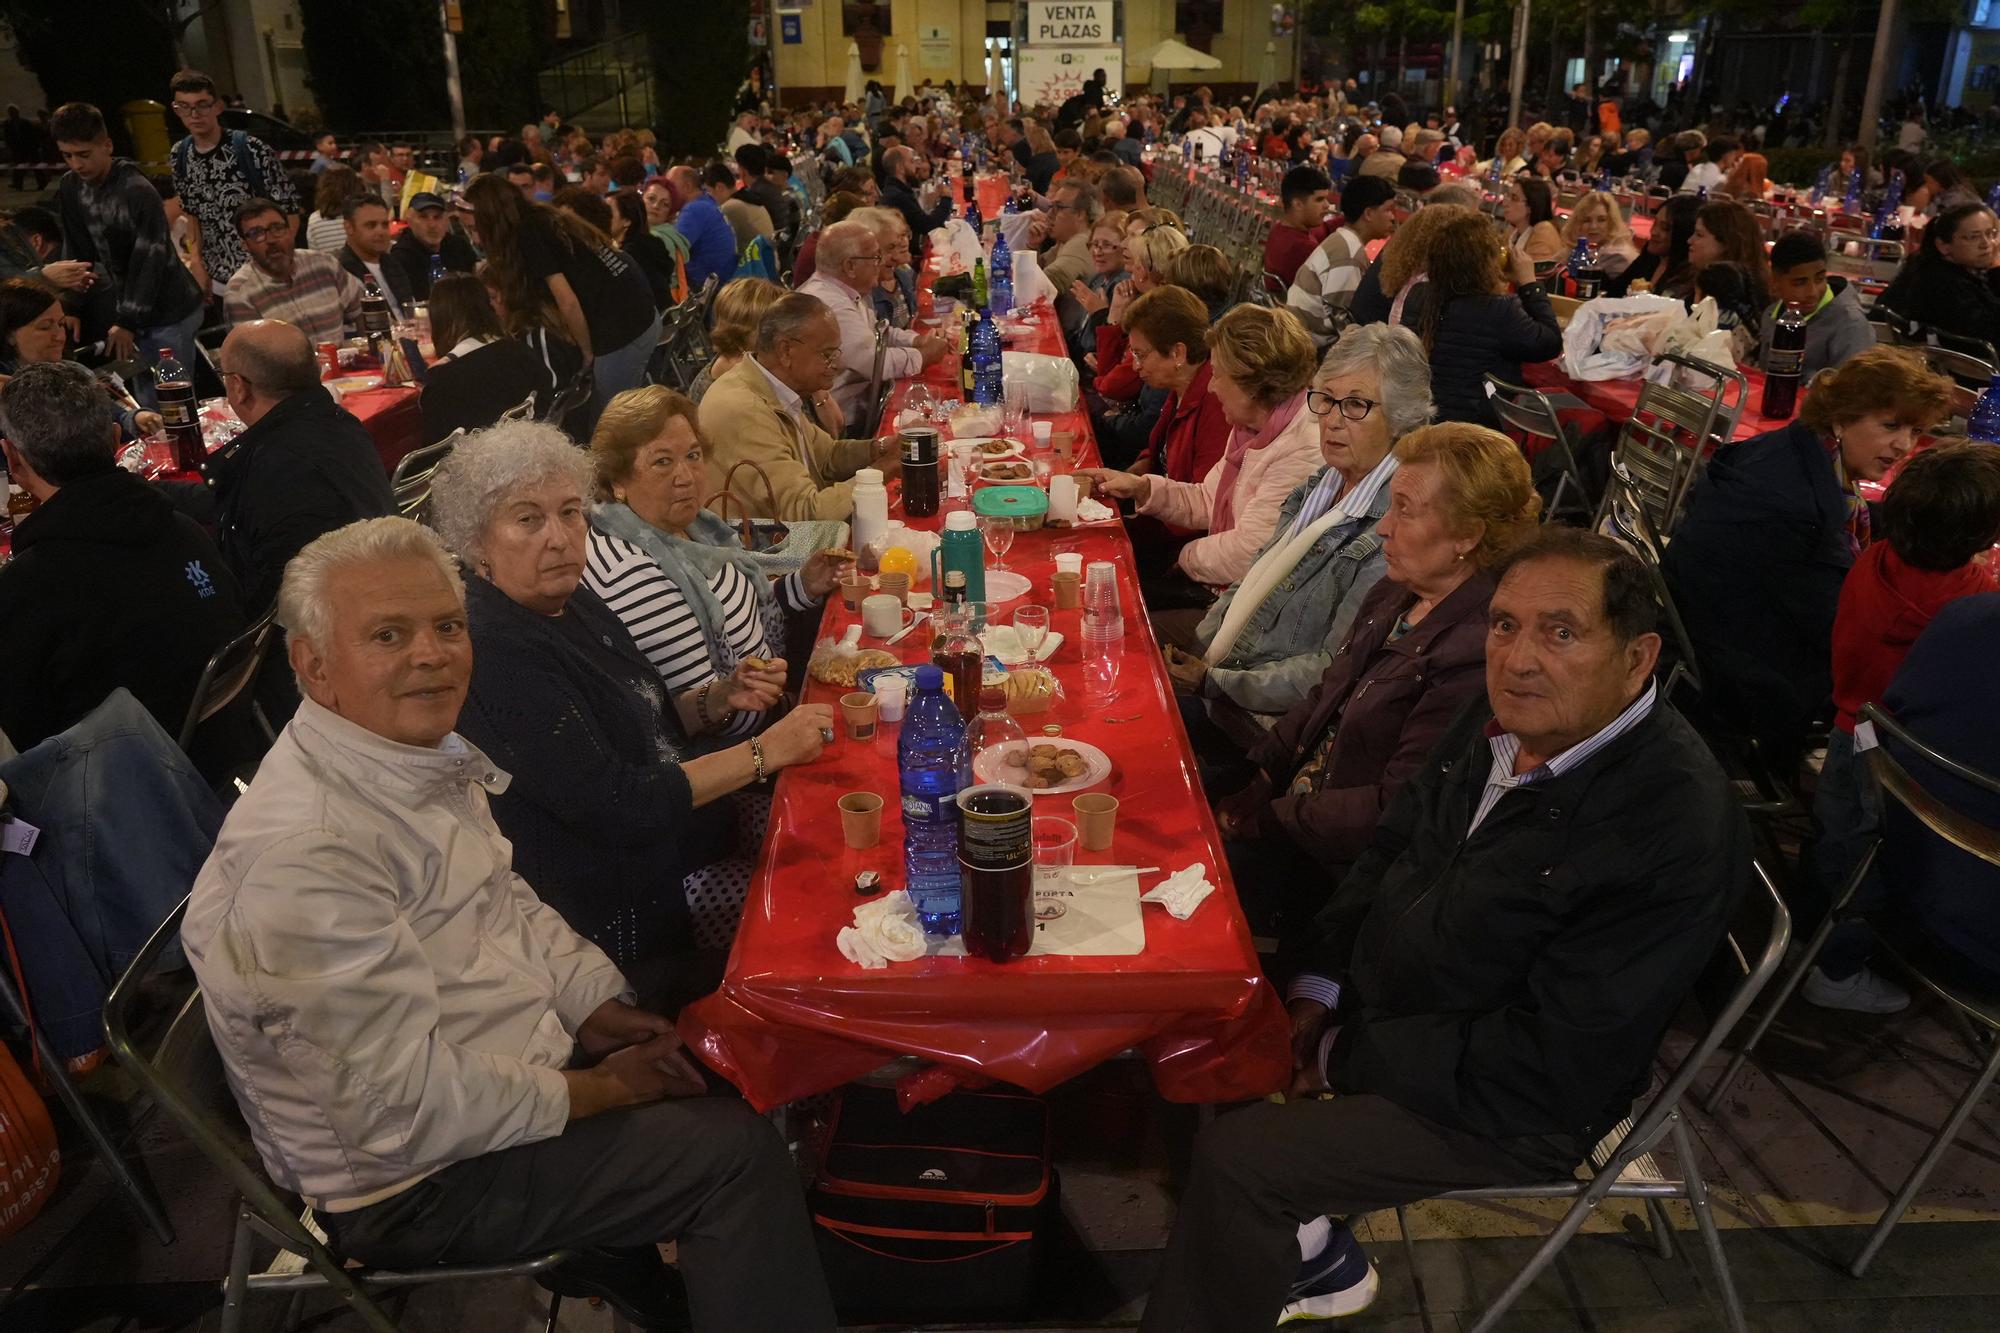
[(1103, 631)]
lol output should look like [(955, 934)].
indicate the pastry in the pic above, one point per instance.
[(842, 669)]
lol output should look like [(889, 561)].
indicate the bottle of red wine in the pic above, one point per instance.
[(173, 391), (1784, 360)]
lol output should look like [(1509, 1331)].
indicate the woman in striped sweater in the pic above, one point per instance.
[(694, 601)]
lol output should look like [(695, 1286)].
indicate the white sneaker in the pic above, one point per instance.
[(1866, 992), (1351, 1299)]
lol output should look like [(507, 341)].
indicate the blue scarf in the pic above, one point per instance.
[(691, 562)]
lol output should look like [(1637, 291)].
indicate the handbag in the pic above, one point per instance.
[(780, 547), (948, 1211)]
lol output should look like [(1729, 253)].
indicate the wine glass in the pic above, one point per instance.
[(999, 536), (1031, 627)]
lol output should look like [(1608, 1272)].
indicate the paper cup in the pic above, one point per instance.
[(1068, 590), (1044, 432), (852, 589), (896, 585), (858, 711), (1065, 443), (1069, 562), (1096, 815), (861, 818)]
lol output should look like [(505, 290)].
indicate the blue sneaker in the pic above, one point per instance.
[(1336, 1282)]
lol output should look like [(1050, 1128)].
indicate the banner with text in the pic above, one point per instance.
[(1051, 75), (1070, 23)]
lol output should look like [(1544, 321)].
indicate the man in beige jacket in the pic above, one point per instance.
[(1074, 208), (761, 411)]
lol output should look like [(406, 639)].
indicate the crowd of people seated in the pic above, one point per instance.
[(525, 747)]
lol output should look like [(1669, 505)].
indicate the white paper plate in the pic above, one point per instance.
[(1004, 585), (1014, 449), (986, 766)]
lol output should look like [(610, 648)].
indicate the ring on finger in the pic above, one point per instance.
[(826, 735)]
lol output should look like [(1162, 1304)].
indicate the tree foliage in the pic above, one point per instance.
[(107, 71), (378, 66), (701, 51), (504, 45)]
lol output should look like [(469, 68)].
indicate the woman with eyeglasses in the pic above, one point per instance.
[(1091, 294), (1124, 408), (1950, 284), (1459, 500), (1256, 652)]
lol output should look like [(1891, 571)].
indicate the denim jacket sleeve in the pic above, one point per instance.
[(1277, 686)]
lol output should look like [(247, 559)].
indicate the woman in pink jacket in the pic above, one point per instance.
[(1263, 360)]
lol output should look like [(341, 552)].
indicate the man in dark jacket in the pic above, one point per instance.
[(108, 585), (112, 217), (430, 237), (1494, 976), (367, 252), (899, 191)]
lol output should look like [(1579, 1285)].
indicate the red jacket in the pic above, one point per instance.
[(1884, 605), (1117, 378), (1191, 435)]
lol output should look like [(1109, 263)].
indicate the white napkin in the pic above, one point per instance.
[(1004, 642), (1094, 511), (1030, 283), (885, 931), (1182, 891)]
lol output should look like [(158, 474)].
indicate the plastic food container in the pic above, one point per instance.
[(1028, 506)]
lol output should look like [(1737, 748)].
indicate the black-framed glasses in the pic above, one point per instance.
[(201, 108), (269, 229), (1353, 407)]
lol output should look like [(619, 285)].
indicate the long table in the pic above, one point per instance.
[(1608, 404), (793, 1017)]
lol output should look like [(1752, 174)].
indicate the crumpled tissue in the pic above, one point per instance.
[(885, 931), (1182, 891), (1094, 511)]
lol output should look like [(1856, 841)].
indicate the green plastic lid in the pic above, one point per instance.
[(1010, 501)]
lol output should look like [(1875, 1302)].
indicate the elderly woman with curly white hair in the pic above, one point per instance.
[(600, 810), (1262, 645)]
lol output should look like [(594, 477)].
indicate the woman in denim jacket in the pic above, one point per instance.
[(1264, 643)]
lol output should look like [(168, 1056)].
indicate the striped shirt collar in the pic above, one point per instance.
[(1506, 746), (1359, 501)]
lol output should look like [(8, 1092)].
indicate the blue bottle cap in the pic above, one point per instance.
[(930, 677)]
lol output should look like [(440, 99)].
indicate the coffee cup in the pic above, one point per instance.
[(894, 585), (1096, 815), (861, 818), (857, 709), (852, 589)]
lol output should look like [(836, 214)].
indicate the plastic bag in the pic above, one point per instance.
[(956, 246), (1614, 337), (1050, 380), (1030, 283)]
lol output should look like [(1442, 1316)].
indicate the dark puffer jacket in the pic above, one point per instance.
[(1514, 983), (1480, 334)]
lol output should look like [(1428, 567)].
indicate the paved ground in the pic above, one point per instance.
[(1802, 1157)]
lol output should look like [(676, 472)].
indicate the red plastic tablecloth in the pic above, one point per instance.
[(1614, 401), (794, 1018)]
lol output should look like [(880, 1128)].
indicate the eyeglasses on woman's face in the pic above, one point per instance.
[(1353, 407)]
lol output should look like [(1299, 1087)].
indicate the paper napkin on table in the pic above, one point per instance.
[(1094, 511), (1182, 891), (885, 931), (1004, 642)]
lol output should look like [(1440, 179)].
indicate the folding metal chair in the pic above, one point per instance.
[(879, 384), (1904, 941), (521, 411), (228, 673), (1528, 412), (1623, 1167), (184, 1077), (1866, 262), (1663, 442), (569, 398), (410, 483), (1622, 517)]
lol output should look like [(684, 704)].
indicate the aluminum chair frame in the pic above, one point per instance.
[(1529, 411), (1982, 1011), (1622, 517), (260, 1211), (521, 411), (410, 483), (227, 673), (879, 384), (1659, 1119), (569, 398), (1663, 443)]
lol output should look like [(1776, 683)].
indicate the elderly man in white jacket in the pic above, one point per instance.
[(400, 1015)]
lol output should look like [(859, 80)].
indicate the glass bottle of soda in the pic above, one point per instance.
[(374, 309), (956, 649), (173, 391), (1784, 360)]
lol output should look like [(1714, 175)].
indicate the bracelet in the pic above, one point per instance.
[(757, 756), (701, 702)]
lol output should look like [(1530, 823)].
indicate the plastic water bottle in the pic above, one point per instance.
[(1000, 275), (927, 762), (994, 727), (1101, 637), (1852, 203), (1984, 421), (1820, 183), (986, 364), (434, 271)]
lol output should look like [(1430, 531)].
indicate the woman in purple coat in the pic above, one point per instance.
[(1416, 655)]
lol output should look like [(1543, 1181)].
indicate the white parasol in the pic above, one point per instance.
[(854, 81)]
